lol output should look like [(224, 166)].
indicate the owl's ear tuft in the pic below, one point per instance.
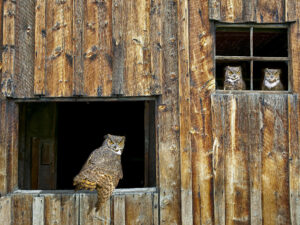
[(107, 136)]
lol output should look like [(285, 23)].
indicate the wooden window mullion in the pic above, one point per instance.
[(251, 55)]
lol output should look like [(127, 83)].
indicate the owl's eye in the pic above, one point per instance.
[(109, 142), (121, 142)]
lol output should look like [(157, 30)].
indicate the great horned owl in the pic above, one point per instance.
[(103, 169), (233, 78), (272, 80)]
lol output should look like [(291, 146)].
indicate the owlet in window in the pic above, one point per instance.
[(103, 169), (234, 78), (272, 80)]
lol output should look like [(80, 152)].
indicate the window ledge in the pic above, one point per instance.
[(122, 191)]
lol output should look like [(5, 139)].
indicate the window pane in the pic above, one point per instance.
[(220, 72), (258, 73), (270, 42), (233, 41)]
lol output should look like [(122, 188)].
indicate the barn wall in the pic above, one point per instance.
[(79, 208), (162, 48)]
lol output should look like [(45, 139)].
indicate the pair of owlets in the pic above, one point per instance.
[(234, 79)]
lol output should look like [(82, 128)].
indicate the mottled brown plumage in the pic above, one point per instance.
[(234, 78), (103, 169), (271, 80)]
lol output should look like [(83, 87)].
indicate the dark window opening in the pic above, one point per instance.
[(220, 72), (254, 48), (57, 138)]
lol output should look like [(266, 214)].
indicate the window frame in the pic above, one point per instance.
[(251, 59), (118, 191)]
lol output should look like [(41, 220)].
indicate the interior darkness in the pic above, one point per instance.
[(81, 127), (220, 72), (270, 42), (233, 41), (258, 75)]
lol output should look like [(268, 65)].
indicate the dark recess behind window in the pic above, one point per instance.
[(81, 128)]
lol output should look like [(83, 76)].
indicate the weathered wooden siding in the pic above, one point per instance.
[(82, 48), (259, 11), (252, 157), (79, 208)]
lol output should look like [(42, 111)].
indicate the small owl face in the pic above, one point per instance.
[(115, 143), (272, 75), (233, 73)]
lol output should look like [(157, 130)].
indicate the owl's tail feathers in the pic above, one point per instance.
[(104, 189)]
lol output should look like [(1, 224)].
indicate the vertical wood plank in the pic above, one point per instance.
[(168, 121), (11, 144), (238, 155), (5, 210), (52, 204), (97, 47), (118, 38), (40, 47), (89, 216), (290, 10), (184, 111), (138, 209), (69, 209), (218, 107), (202, 84), (214, 9), (137, 77), (35, 157), (270, 11), (38, 211), (275, 192), (294, 160), (255, 148), (59, 48), (155, 209), (22, 209), (156, 46), (8, 54), (78, 34), (24, 62), (119, 210), (3, 149)]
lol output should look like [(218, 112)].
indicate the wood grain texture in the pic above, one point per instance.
[(97, 48), (40, 47), (294, 160), (119, 210), (89, 216), (218, 157), (138, 209), (21, 209), (275, 192), (8, 54), (61, 208), (24, 61), (156, 60), (137, 76), (5, 210), (261, 11), (202, 84), (168, 121), (78, 26), (184, 111), (255, 147), (38, 211), (59, 48)]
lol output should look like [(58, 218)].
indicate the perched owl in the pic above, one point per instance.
[(103, 169), (272, 80), (234, 78)]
